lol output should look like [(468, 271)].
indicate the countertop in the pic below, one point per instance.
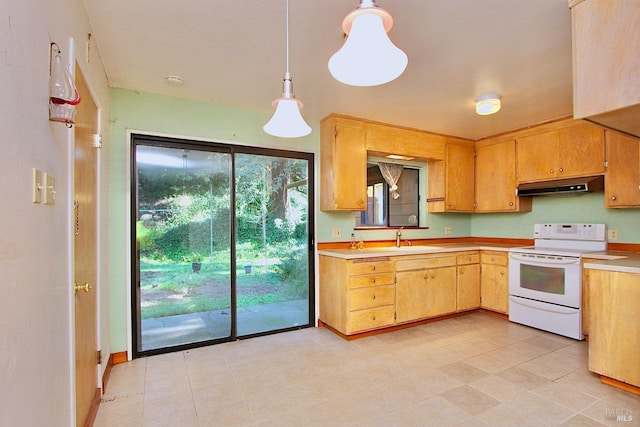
[(628, 262), (372, 252), (624, 262)]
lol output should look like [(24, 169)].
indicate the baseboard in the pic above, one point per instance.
[(120, 357), (619, 384), (93, 412)]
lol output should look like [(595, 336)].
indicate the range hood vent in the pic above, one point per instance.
[(562, 187)]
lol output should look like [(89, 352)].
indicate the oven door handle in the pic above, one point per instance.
[(544, 261)]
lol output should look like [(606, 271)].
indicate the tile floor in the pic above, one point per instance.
[(474, 370)]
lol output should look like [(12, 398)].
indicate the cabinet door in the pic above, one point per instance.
[(343, 165), (411, 295), (614, 338), (496, 177), (441, 291), (468, 287), (622, 183), (537, 157), (460, 175), (580, 151), (494, 289)]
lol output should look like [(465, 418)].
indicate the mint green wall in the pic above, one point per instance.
[(587, 208), (143, 112)]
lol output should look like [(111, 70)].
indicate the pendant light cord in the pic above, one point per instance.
[(287, 27)]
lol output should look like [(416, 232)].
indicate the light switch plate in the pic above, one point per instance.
[(49, 189), (37, 186)]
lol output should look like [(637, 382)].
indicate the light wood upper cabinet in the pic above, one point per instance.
[(606, 64), (622, 181), (384, 139), (451, 185), (576, 150), (496, 178), (343, 165)]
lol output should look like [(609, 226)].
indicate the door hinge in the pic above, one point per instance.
[(606, 164), (97, 140), (99, 356), (76, 217)]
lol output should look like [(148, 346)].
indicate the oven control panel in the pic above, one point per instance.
[(596, 232)]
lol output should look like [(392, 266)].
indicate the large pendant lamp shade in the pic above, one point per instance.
[(368, 57), (287, 122)]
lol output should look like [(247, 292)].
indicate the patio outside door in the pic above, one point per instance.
[(221, 246)]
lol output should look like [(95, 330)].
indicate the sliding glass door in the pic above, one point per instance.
[(221, 247)]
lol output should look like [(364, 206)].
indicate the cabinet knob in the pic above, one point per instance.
[(561, 170), (502, 273), (433, 276), (614, 198), (361, 202), (510, 203), (426, 276), (461, 272), (373, 296), (373, 317), (373, 280), (550, 170), (493, 258), (373, 267)]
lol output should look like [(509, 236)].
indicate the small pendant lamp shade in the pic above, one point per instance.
[(368, 57), (287, 122)]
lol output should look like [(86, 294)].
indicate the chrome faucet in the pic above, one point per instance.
[(398, 237)]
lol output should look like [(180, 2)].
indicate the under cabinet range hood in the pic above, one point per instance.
[(562, 187)]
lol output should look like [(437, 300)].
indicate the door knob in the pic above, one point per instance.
[(86, 286)]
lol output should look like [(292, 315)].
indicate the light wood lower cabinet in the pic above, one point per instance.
[(425, 287), (494, 281), (357, 295), (468, 281), (361, 295), (614, 325)]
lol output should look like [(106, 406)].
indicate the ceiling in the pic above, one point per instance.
[(232, 52)]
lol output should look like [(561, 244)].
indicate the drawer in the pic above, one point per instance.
[(422, 263), (371, 280), (370, 318), (468, 258), (368, 267), (371, 297), (494, 258)]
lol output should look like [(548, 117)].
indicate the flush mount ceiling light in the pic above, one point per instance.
[(287, 122), (174, 80), (368, 57), (488, 104)]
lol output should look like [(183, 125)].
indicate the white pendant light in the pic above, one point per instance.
[(488, 104), (368, 57), (287, 122)]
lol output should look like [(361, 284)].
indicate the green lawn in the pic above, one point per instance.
[(170, 288)]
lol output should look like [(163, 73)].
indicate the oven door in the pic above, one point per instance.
[(548, 278)]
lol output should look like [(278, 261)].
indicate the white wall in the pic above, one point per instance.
[(36, 317)]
